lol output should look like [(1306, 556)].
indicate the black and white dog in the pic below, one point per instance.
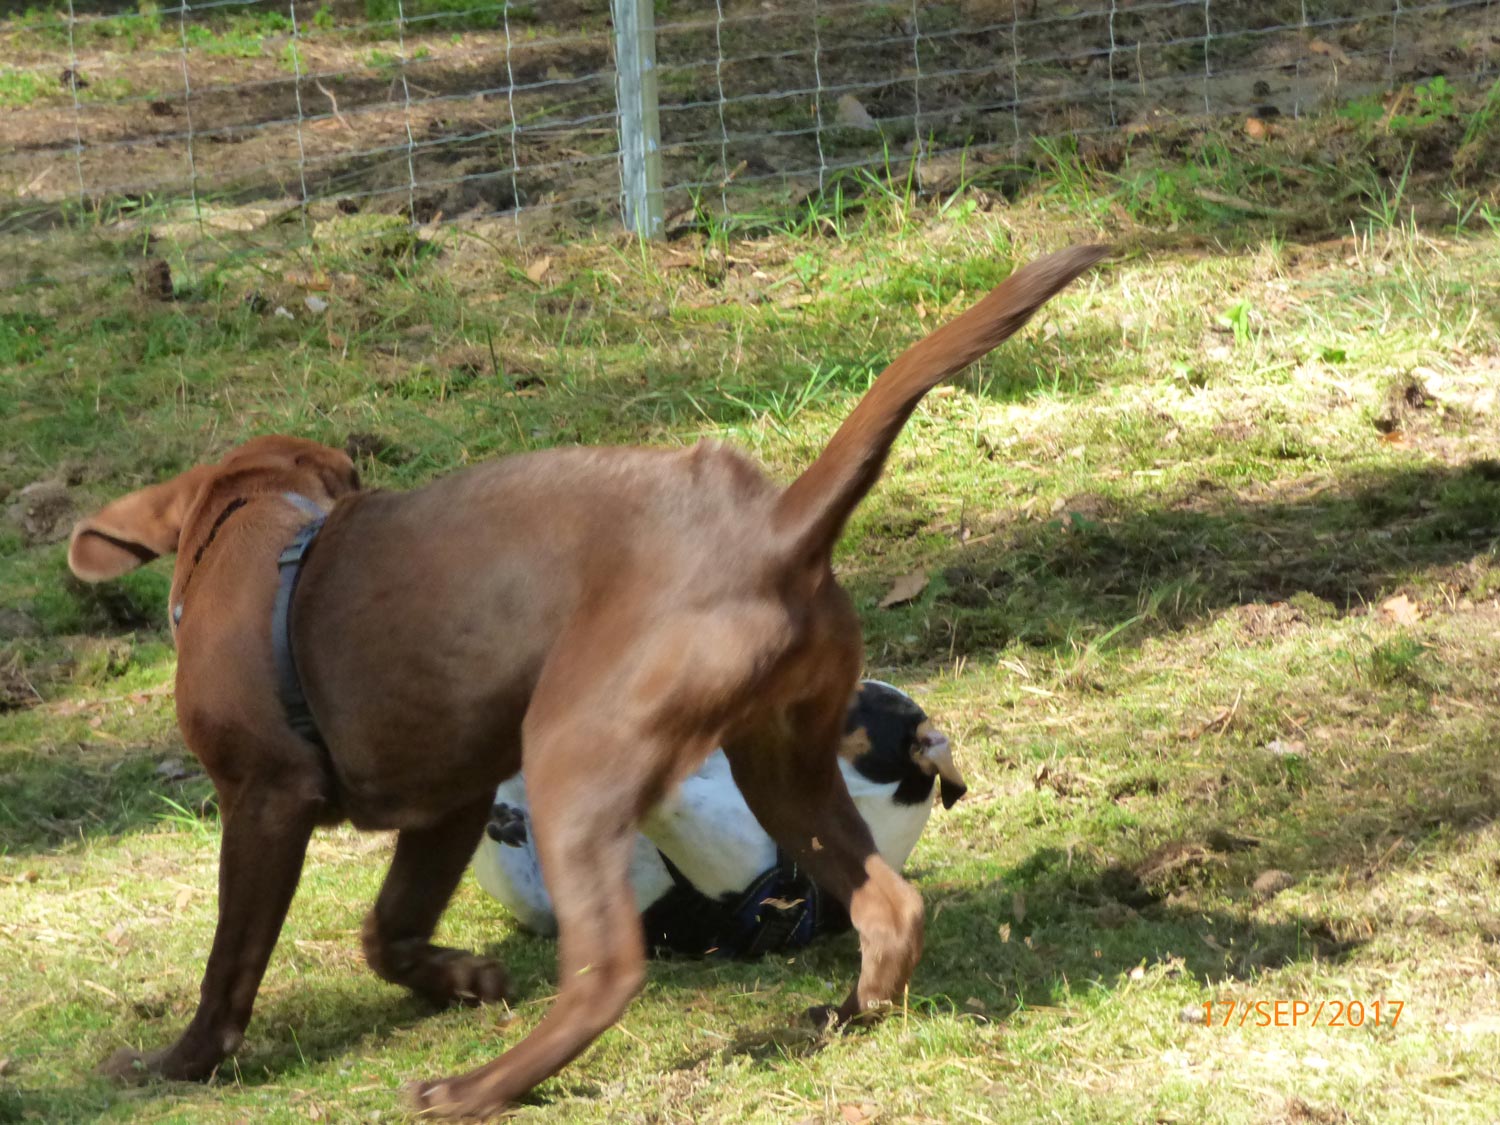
[(707, 877)]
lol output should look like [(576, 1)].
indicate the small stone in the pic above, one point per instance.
[(853, 115), (153, 280), (1270, 883), (43, 511), (174, 769), (1220, 841), (15, 623)]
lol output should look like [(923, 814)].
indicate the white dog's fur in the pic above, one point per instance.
[(708, 832)]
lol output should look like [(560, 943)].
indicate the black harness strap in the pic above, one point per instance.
[(299, 715), (782, 909)]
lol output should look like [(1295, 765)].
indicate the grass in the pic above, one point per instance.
[(1213, 595)]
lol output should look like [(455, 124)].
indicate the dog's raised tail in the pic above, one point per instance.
[(811, 513)]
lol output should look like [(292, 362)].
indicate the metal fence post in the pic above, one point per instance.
[(640, 120)]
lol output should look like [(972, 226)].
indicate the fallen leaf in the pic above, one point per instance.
[(1256, 129), (538, 269), (115, 934), (1138, 973), (308, 279), (1290, 746), (904, 589), (1005, 932), (1331, 50), (858, 1114), (184, 897), (1402, 610)]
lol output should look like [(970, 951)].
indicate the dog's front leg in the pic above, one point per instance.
[(265, 835), (427, 866), (788, 773)]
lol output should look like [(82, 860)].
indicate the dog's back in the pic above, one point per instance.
[(522, 545)]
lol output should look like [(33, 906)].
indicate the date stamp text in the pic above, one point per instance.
[(1302, 1013)]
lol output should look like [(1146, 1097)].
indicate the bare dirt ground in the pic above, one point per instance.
[(483, 121)]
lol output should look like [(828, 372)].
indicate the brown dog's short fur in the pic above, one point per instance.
[(606, 616)]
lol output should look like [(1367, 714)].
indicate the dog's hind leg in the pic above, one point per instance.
[(265, 835), (585, 830), (599, 750), (787, 769), (427, 866)]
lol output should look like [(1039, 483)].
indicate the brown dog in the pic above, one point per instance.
[(606, 615)]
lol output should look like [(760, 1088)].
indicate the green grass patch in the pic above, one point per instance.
[(1211, 615)]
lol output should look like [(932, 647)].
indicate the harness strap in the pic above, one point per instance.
[(785, 906), (781, 909), (299, 715)]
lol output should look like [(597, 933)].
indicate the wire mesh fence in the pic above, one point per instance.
[(212, 127)]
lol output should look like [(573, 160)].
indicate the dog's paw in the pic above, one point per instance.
[(173, 1063), (453, 976), (507, 825), (827, 1018), (128, 1065), (445, 1100), (823, 1017), (134, 1067)]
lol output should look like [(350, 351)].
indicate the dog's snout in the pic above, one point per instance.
[(938, 752)]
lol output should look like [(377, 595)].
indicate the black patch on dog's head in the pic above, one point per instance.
[(881, 739)]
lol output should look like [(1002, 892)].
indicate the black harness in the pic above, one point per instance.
[(299, 715), (289, 566), (781, 909)]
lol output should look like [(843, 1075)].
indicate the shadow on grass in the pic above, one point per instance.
[(288, 1034), (1099, 566), (53, 801)]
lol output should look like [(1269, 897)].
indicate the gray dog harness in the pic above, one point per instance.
[(299, 715)]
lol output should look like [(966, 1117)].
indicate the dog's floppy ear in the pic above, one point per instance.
[(134, 529)]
